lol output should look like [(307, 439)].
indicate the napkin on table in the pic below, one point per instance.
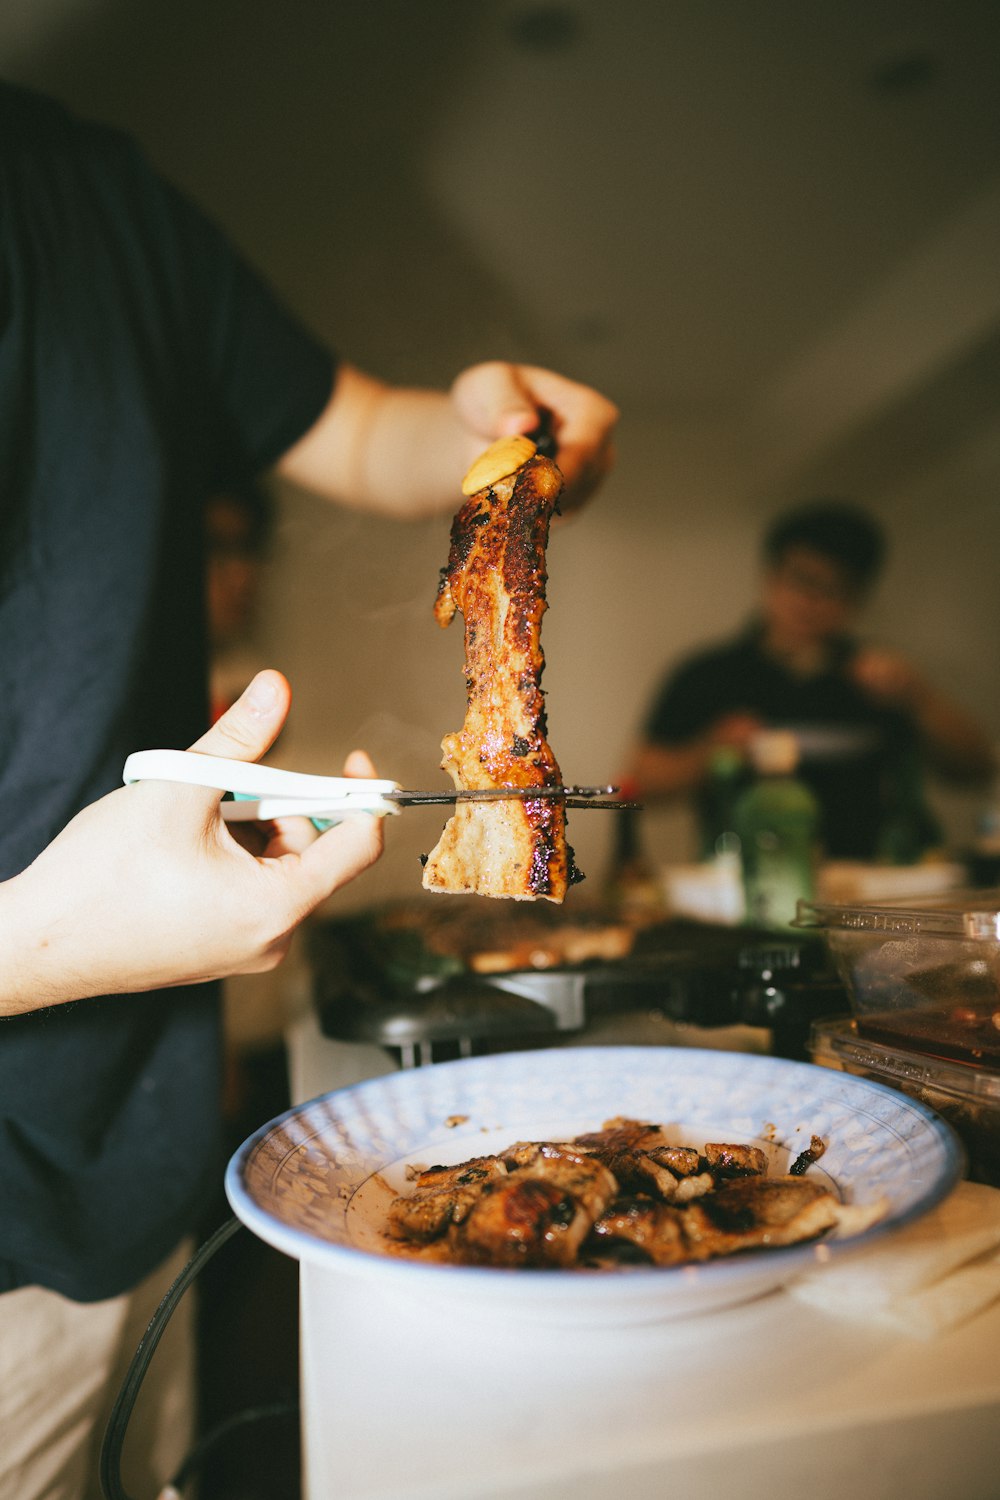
[(924, 1279)]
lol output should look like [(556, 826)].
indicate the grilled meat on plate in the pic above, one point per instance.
[(617, 1195)]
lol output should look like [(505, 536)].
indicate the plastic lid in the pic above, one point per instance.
[(958, 914), (838, 1038)]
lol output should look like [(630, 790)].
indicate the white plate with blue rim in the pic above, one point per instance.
[(317, 1182)]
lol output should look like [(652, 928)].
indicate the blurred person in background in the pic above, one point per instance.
[(239, 525), (144, 367), (867, 721)]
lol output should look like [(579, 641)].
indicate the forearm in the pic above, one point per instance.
[(404, 451), (955, 743), (37, 967), (91, 916), (664, 771), (392, 450), (415, 455)]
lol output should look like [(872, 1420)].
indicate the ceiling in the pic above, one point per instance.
[(779, 221)]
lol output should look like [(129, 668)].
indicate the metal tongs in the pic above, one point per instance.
[(260, 793)]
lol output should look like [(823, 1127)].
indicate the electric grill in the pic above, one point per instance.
[(373, 985)]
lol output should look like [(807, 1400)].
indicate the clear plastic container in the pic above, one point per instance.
[(923, 975), (966, 1096)]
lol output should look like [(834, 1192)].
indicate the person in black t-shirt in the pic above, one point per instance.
[(143, 368), (867, 721)]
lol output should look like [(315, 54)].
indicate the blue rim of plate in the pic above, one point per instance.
[(296, 1130)]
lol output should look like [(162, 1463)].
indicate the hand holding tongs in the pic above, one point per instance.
[(261, 793)]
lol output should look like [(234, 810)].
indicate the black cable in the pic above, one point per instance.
[(225, 1429), (114, 1435)]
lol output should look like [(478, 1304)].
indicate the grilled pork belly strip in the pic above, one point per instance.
[(735, 1161), (541, 1214), (443, 1196), (496, 576), (749, 1212), (743, 1214), (654, 1228)]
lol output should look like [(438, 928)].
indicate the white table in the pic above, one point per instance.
[(771, 1398)]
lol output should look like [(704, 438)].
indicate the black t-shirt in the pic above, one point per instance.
[(858, 758), (143, 365)]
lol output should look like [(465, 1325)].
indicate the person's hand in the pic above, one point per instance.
[(886, 676), (956, 745), (734, 731), (495, 400), (149, 887)]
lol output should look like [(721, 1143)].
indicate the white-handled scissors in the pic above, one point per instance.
[(259, 793)]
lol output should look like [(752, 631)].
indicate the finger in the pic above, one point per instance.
[(349, 847), (286, 836), (359, 764), (244, 732), (250, 727), (583, 426), (493, 400), (582, 417), (341, 854), (294, 835)]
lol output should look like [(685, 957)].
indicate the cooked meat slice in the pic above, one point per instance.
[(521, 1154), (442, 1196), (621, 1134), (695, 1186), (540, 1214), (525, 1222), (492, 938), (653, 1174), (741, 1215), (437, 1252), (654, 1228), (642, 1162), (683, 1161), (754, 1211), (589, 1180), (805, 1159), (496, 576), (735, 1161), (638, 1172)]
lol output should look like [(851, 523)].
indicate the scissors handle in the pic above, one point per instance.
[(285, 792)]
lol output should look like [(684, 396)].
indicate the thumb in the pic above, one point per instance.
[(494, 401), (249, 728)]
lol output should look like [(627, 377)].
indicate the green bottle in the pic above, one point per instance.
[(777, 822), (727, 778)]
